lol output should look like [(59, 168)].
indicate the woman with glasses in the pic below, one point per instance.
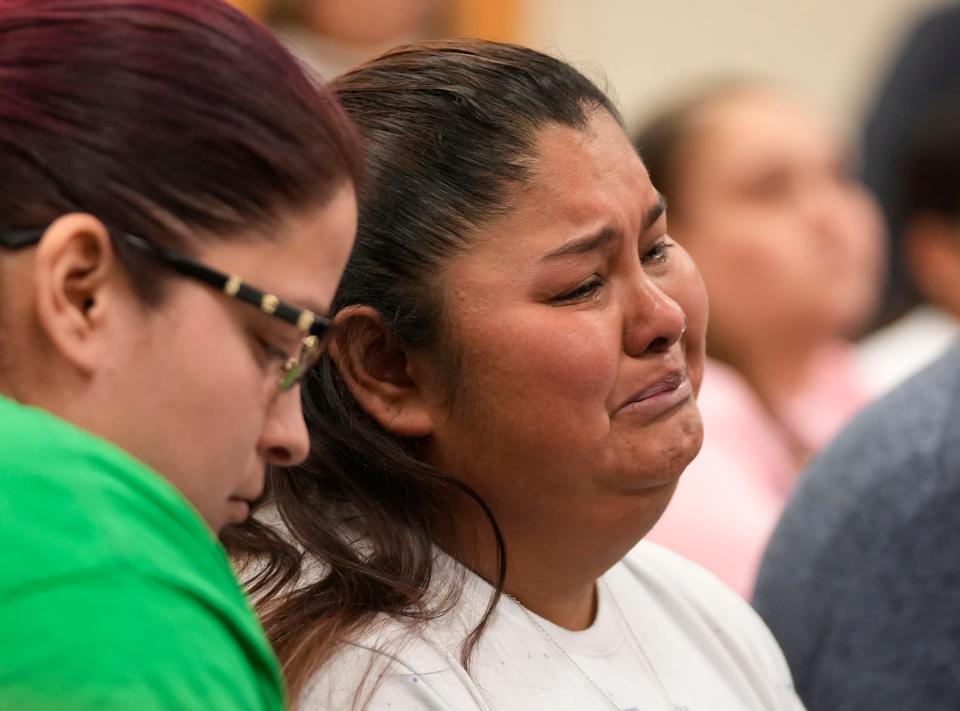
[(176, 208), (503, 413)]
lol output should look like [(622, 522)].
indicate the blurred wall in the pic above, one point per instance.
[(254, 8), (831, 52), (491, 19)]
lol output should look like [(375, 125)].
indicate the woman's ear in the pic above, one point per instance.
[(376, 368), (73, 271)]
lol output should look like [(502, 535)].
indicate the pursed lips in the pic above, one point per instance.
[(666, 383)]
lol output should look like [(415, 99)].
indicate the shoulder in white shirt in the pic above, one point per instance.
[(668, 636), (904, 348)]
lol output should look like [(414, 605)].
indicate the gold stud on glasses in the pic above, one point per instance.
[(306, 320), (297, 366), (269, 303), (232, 286)]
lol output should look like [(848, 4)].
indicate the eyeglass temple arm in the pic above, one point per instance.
[(318, 325), (18, 239), (233, 286)]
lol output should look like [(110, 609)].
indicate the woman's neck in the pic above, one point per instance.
[(555, 558), (778, 369)]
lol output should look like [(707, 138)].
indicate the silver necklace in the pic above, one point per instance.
[(563, 652), (626, 623), (642, 650)]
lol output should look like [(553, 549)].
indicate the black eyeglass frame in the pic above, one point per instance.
[(316, 329)]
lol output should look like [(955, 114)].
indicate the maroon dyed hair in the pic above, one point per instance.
[(160, 117)]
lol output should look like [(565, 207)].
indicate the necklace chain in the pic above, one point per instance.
[(643, 651), (623, 618), (559, 647)]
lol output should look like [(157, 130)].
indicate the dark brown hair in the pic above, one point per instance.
[(450, 131), (160, 115), (931, 174)]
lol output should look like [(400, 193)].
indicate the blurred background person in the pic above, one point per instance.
[(912, 162), (332, 36), (751, 37), (790, 248), (859, 581)]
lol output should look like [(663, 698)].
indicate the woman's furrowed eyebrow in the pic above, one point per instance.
[(604, 236), (655, 213), (582, 245)]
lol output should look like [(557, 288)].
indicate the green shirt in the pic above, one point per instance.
[(114, 594)]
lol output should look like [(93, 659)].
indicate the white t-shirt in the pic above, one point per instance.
[(667, 636), (905, 347)]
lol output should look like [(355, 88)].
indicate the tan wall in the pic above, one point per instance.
[(829, 51)]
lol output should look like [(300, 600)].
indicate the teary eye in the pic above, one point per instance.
[(658, 253), (582, 291)]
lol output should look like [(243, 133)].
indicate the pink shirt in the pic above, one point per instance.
[(730, 497)]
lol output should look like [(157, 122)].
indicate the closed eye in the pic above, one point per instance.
[(270, 353), (658, 253), (587, 289)]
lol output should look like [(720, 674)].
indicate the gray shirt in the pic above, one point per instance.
[(861, 581)]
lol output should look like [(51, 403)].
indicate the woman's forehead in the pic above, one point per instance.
[(753, 122), (586, 187), (592, 168), (575, 167)]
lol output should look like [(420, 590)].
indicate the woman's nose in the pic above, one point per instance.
[(284, 440), (653, 322)]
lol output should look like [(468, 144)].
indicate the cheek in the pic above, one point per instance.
[(685, 286), (220, 391), (541, 355), (530, 405), (865, 245), (195, 375), (764, 243)]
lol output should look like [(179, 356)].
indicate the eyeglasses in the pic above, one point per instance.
[(316, 329)]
